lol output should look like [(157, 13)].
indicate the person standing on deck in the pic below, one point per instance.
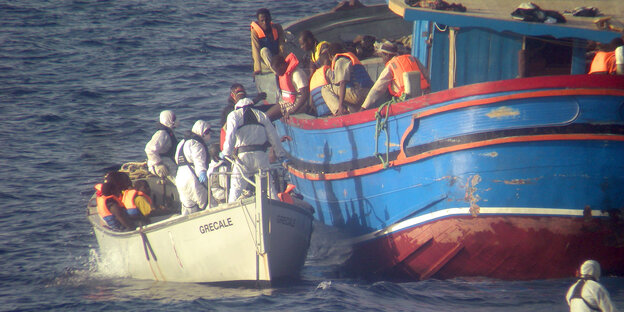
[(191, 157), (267, 40), (390, 84), (587, 294), (161, 147), (349, 82), (293, 87), (249, 135)]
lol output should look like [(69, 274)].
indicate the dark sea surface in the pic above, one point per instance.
[(81, 85)]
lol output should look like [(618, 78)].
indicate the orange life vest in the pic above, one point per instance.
[(318, 80), (128, 201), (403, 64), (358, 72), (271, 43), (103, 210), (287, 88), (285, 195), (603, 62)]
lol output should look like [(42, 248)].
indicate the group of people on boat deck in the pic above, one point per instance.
[(338, 83), (123, 205)]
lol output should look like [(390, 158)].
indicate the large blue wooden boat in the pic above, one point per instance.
[(512, 167)]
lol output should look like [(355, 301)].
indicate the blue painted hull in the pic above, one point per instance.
[(507, 155)]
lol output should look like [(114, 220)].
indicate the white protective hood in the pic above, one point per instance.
[(168, 119), (200, 127), (590, 268)]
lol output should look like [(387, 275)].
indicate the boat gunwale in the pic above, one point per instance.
[(95, 219), (510, 85)]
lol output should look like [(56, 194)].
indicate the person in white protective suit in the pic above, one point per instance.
[(248, 136), (160, 150), (587, 294), (191, 155)]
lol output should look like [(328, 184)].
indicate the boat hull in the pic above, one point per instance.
[(237, 243), (504, 247), (486, 164)]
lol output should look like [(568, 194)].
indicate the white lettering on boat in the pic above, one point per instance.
[(217, 225), (286, 220)]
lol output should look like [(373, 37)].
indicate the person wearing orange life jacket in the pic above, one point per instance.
[(605, 60), (390, 84), (137, 200), (267, 40), (350, 82), (109, 203), (293, 85), (319, 84)]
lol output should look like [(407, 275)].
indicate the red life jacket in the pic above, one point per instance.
[(103, 210), (404, 64), (288, 91), (128, 201), (603, 62), (285, 195)]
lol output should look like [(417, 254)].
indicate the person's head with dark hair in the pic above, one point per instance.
[(213, 151), (335, 48), (264, 18), (307, 41), (237, 92), (279, 63), (142, 186), (117, 182)]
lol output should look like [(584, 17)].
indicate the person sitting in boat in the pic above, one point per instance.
[(605, 59), (109, 202), (350, 81), (267, 40), (218, 182), (161, 147), (191, 157), (293, 85), (249, 134), (312, 47), (320, 86), (587, 294), (391, 83), (237, 92), (137, 200)]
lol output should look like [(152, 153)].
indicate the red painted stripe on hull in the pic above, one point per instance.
[(514, 248)]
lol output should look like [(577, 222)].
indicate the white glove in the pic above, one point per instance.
[(161, 170)]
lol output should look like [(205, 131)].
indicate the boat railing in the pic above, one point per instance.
[(219, 181)]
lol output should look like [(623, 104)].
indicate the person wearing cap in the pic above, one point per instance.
[(293, 87), (267, 40), (390, 84), (350, 82), (160, 149), (312, 47), (237, 92), (586, 294), (249, 135), (191, 157)]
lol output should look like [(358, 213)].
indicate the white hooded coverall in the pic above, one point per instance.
[(237, 135), (160, 143), (193, 194), (593, 294)]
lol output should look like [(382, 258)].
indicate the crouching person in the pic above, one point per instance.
[(191, 156), (138, 202), (109, 202)]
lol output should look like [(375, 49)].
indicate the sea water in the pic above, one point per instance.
[(81, 85)]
